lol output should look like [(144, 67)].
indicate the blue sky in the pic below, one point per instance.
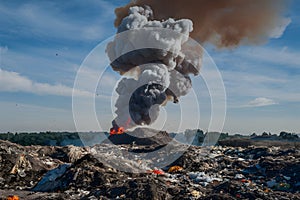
[(43, 43)]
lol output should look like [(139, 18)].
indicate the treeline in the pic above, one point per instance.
[(288, 136), (282, 135), (41, 138)]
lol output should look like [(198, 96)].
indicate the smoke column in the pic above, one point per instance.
[(154, 76), (224, 23)]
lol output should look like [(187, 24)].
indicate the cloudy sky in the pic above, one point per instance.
[(42, 46)]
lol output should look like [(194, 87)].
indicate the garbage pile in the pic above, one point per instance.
[(22, 167), (245, 173), (36, 172)]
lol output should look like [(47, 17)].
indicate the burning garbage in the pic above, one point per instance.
[(12, 197), (119, 130)]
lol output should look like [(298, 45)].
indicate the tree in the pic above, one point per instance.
[(253, 135), (264, 134)]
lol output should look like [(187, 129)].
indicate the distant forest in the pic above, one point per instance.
[(44, 138)]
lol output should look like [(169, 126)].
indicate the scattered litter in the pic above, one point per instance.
[(239, 176), (196, 193), (156, 171), (77, 173), (175, 169), (283, 186)]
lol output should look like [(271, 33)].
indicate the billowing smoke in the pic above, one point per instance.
[(152, 75), (222, 22)]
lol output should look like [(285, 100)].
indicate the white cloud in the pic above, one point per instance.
[(260, 102), (279, 30), (14, 82), (273, 56)]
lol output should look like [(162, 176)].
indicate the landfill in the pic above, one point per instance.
[(215, 172)]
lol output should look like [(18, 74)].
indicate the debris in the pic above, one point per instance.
[(48, 182), (157, 172), (283, 186), (239, 176), (196, 193), (175, 169), (21, 166), (43, 172)]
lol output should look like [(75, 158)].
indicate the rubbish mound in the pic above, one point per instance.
[(199, 173), (22, 167)]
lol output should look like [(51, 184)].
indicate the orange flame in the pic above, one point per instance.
[(13, 197), (117, 131)]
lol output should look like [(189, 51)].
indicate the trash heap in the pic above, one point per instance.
[(22, 167), (220, 172)]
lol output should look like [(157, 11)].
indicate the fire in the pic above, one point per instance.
[(13, 197), (117, 131)]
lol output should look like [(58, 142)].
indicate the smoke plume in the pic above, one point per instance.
[(224, 23), (152, 76), (159, 73)]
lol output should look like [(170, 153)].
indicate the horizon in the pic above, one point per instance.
[(229, 133), (43, 45)]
